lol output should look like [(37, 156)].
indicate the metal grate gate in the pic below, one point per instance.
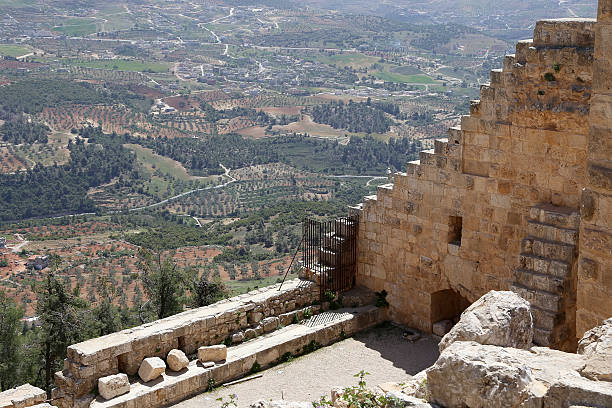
[(330, 252)]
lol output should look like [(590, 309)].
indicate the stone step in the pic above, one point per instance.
[(475, 108), (508, 63), (440, 146), (545, 319), (552, 250), (562, 217), (539, 281), (539, 298), (413, 168), (522, 48), (496, 77), (454, 135), (545, 266), (266, 350), (332, 240), (542, 337), (552, 233)]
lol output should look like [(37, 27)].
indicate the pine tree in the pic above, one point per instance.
[(10, 327), (61, 324)]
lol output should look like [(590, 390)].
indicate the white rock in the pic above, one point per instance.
[(113, 386), (467, 374), (596, 346), (151, 368), (498, 318), (177, 360), (475, 375), (597, 340), (237, 338), (212, 353)]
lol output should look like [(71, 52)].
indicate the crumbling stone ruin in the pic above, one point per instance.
[(519, 197)]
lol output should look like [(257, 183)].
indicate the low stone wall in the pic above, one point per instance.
[(23, 396), (122, 352)]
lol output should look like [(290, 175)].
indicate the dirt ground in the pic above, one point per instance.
[(383, 352)]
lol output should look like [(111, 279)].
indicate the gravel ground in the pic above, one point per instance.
[(382, 351)]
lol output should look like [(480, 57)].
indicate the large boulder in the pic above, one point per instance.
[(597, 340), (469, 374), (177, 360), (596, 346), (113, 386), (151, 368), (478, 376), (498, 318)]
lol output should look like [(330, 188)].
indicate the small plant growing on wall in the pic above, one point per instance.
[(556, 67), (381, 299)]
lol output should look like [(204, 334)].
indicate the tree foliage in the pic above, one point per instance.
[(164, 283), (355, 117), (10, 327)]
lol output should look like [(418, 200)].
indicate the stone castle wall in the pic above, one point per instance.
[(595, 263), (496, 205), (124, 351)]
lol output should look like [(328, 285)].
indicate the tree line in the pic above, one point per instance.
[(33, 354), (45, 191), (354, 117)]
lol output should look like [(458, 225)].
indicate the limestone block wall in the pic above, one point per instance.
[(124, 351), (595, 263), (451, 226)]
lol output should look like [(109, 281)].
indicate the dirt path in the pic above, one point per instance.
[(383, 352)]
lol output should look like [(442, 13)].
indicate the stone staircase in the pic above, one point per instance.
[(335, 250), (544, 276)]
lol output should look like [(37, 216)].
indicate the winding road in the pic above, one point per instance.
[(227, 174)]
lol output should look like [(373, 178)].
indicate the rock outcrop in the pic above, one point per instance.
[(498, 318), (475, 375)]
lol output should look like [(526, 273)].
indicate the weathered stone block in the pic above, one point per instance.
[(177, 360), (113, 386), (270, 324), (212, 353), (151, 368)]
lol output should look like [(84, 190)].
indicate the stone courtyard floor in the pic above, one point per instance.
[(382, 351)]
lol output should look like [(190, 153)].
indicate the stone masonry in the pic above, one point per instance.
[(516, 198), (124, 351)]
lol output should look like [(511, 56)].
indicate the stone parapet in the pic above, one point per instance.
[(123, 352), (21, 397), (565, 32)]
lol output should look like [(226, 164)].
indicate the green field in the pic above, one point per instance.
[(404, 79), (122, 65), (238, 287), (77, 27), (11, 50), (353, 60), (161, 163)]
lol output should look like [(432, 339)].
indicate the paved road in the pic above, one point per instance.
[(382, 352)]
